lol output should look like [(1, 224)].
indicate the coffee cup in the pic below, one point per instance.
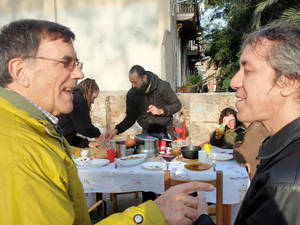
[(202, 156)]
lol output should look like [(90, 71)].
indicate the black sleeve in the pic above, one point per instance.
[(80, 117), (77, 141), (216, 142), (131, 114), (204, 220)]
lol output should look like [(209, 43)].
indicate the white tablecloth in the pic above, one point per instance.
[(109, 179)]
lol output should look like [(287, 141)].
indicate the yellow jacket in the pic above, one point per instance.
[(39, 184)]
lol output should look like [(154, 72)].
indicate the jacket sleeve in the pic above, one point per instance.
[(148, 211), (173, 105), (277, 203), (81, 119), (131, 114)]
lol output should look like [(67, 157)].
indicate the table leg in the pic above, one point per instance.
[(226, 214), (99, 197)]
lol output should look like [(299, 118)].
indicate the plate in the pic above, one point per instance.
[(223, 156), (153, 165), (97, 163), (132, 160), (81, 161), (197, 166)]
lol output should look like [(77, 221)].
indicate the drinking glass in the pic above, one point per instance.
[(168, 158)]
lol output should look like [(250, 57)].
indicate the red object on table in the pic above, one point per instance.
[(162, 145), (182, 131), (111, 155)]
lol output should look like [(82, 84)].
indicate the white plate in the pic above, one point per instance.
[(81, 161), (97, 163), (223, 156), (132, 160), (153, 165)]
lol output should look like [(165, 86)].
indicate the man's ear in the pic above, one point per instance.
[(16, 68), (145, 78), (289, 85)]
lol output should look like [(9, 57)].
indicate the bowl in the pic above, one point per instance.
[(132, 160), (190, 152), (95, 163)]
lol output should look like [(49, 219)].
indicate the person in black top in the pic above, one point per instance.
[(151, 102), (267, 88), (79, 120)]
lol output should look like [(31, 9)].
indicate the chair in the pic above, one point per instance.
[(113, 198), (216, 209), (98, 203)]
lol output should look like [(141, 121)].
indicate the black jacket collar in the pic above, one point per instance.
[(275, 144)]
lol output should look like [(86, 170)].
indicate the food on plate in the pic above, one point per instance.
[(176, 151), (132, 158)]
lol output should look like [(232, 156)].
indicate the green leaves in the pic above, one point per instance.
[(223, 43)]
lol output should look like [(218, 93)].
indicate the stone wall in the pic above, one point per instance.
[(200, 111)]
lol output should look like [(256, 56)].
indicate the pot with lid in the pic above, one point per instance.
[(147, 144)]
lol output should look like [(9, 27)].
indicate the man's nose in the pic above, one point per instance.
[(236, 81), (77, 73)]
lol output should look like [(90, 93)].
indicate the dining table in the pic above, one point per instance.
[(114, 178)]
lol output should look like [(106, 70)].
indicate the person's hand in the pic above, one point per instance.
[(178, 207), (154, 110), (110, 134), (226, 119), (247, 165), (95, 145), (101, 138)]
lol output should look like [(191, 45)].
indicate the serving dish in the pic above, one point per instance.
[(197, 166), (132, 160)]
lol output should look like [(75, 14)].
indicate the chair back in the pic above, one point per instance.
[(216, 209)]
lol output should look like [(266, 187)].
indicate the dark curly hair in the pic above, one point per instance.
[(226, 112)]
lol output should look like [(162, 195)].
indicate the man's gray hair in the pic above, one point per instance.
[(21, 39), (284, 56)]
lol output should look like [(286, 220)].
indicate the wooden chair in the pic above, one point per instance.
[(98, 203), (216, 209), (113, 198)]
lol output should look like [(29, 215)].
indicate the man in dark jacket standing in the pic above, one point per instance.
[(268, 87), (151, 102)]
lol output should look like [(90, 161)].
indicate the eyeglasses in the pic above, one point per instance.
[(69, 62)]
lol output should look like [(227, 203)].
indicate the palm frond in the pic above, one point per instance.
[(260, 7)]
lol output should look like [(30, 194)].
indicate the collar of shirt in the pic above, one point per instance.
[(276, 143)]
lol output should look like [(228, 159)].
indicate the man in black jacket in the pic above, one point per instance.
[(268, 90), (151, 102)]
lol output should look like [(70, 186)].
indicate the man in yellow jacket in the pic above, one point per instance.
[(38, 180)]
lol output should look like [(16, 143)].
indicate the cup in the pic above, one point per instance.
[(202, 156), (207, 148), (76, 152), (111, 155), (84, 153)]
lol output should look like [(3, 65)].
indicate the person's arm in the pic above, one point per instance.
[(173, 207), (131, 114), (173, 105), (217, 138), (81, 119)]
